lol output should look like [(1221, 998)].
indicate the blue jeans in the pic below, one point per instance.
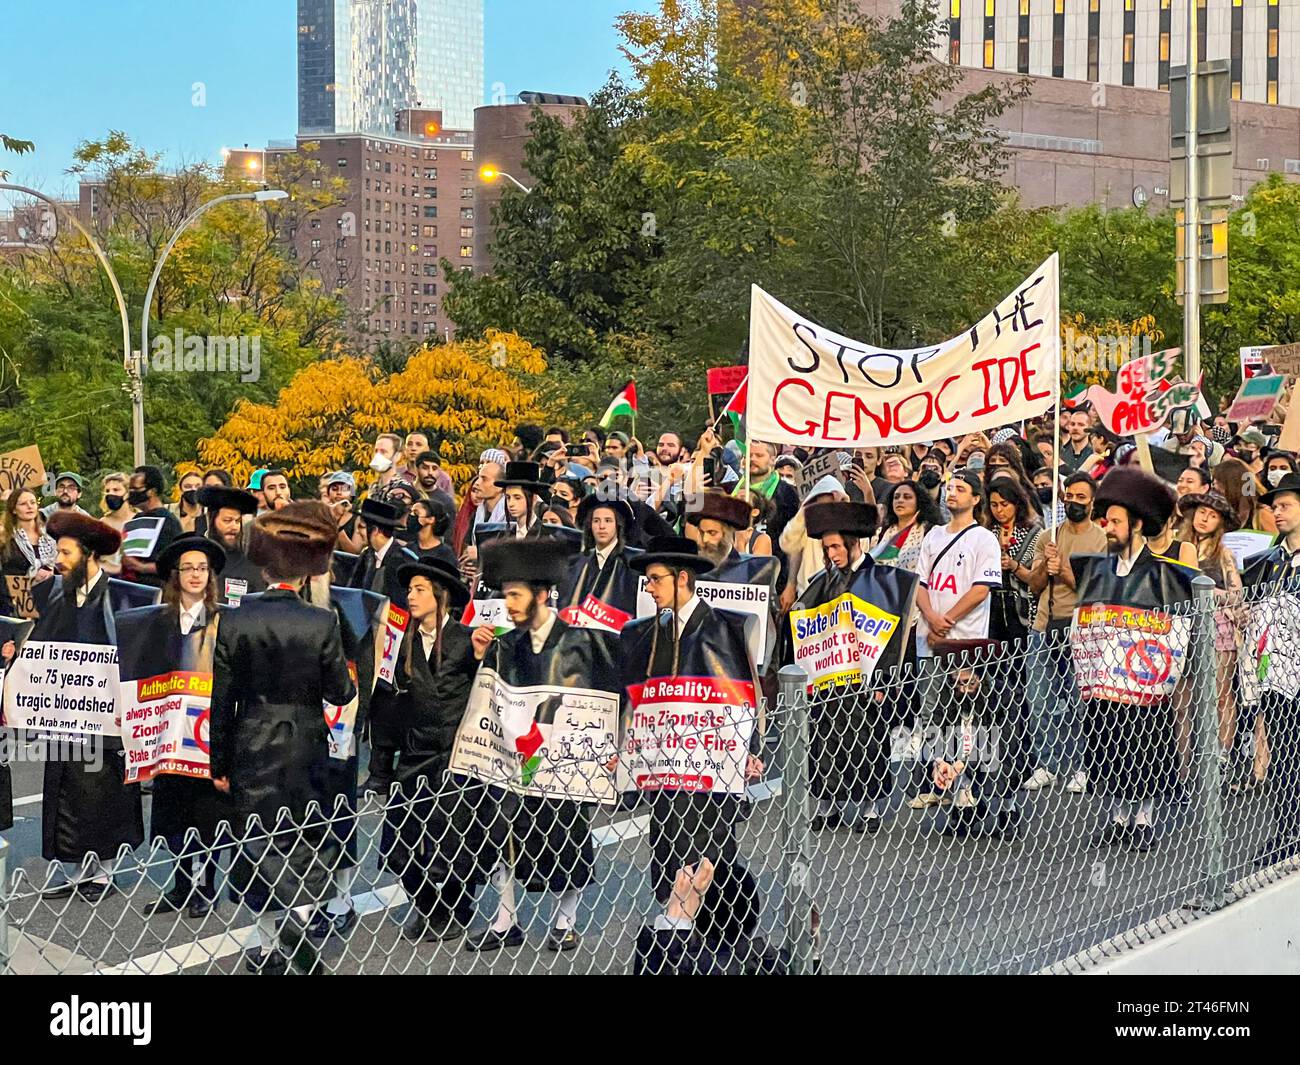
[(1053, 701)]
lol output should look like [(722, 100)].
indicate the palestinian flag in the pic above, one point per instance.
[(624, 403), (1077, 397), (528, 746), (735, 410)]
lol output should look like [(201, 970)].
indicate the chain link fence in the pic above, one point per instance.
[(999, 810)]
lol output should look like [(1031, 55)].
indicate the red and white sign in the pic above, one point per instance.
[(1126, 654), (1146, 397), (724, 380), (593, 613), (688, 734), (165, 726), (394, 629), (342, 722), (814, 387)]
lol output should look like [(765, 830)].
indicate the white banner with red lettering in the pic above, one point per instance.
[(688, 734), (394, 629), (593, 613), (808, 385), (165, 726)]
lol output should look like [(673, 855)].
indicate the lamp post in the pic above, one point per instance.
[(490, 173)]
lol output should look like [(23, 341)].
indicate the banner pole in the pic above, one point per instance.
[(1056, 410)]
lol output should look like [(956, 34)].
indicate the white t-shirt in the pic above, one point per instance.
[(975, 559)]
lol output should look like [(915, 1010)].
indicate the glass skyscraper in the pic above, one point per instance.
[(359, 61)]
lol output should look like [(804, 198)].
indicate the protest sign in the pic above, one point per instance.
[(342, 721), (839, 642), (53, 686), (394, 629), (21, 469), (1127, 654), (1252, 362), (1283, 358), (1256, 398), (593, 613), (724, 380), (20, 594), (1289, 439), (811, 386), (1270, 649), (1147, 394), (752, 600), (825, 463), (688, 734), (539, 740), (140, 535), (165, 726), (1244, 542)]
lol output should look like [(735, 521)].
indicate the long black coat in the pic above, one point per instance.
[(277, 661), (86, 810), (150, 643), (383, 578), (238, 578), (616, 583), (550, 838)]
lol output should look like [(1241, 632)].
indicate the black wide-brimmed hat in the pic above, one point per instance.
[(675, 552), (97, 537), (219, 497), (1142, 494), (621, 507), (730, 510), (170, 556), (1216, 501), (1289, 483), (440, 571), (525, 475), (541, 561), (848, 519), (380, 514)]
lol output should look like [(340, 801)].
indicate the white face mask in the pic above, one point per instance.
[(381, 463), (1275, 477)]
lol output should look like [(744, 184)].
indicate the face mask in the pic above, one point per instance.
[(930, 478), (1076, 512), (413, 524), (381, 463), (975, 462), (1275, 477), (114, 502), (138, 497), (190, 497), (1044, 493)]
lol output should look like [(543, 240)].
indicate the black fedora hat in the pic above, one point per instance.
[(440, 572), (541, 561), (849, 519), (621, 508), (380, 514), (219, 497), (675, 552), (170, 556), (525, 475)]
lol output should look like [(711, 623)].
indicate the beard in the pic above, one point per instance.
[(530, 615), (1115, 545), (77, 576), (716, 553)]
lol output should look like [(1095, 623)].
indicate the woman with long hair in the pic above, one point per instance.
[(907, 514), (1005, 460), (464, 524), (427, 524), (187, 508), (25, 548), (1231, 478)]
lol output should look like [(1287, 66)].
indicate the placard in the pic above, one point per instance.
[(22, 469), (840, 642), (1284, 358), (752, 600), (1243, 543), (54, 686), (593, 613), (394, 629), (1128, 654), (20, 592), (165, 726), (1256, 399)]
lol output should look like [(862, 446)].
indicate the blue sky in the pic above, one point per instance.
[(74, 69)]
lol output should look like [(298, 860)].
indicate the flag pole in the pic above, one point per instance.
[(1056, 431)]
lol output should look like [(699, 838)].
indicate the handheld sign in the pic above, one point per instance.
[(1147, 394), (1257, 398), (21, 469)]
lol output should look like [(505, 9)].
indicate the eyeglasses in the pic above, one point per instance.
[(199, 568), (661, 577)]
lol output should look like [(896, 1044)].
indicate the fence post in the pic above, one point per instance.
[(4, 907), (795, 864), (1203, 661)]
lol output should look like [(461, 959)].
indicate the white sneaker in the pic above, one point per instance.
[(1039, 778), (1078, 783), (965, 800)]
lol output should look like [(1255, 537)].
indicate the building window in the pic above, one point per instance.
[(467, 231), (315, 183), (1094, 40), (989, 19), (467, 156), (1202, 30), (430, 251), (430, 288), (467, 213), (1058, 38), (431, 173), (467, 251), (954, 32), (315, 223), (341, 162), (431, 211), (466, 194), (315, 244), (1234, 72), (1022, 39), (430, 269), (1130, 26), (1272, 51), (1162, 70), (430, 192)]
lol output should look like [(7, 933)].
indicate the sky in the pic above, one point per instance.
[(74, 69)]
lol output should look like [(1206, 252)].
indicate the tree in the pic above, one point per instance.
[(18, 147), (467, 396)]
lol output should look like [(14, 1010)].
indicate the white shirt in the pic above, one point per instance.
[(603, 553), (83, 593), (428, 638), (685, 612), (1124, 566), (192, 618), (379, 555), (521, 530), (540, 634), (976, 559)]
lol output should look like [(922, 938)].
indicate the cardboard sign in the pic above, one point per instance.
[(1284, 358), (811, 386), (22, 469), (1256, 399), (165, 726), (20, 592), (53, 686), (824, 463)]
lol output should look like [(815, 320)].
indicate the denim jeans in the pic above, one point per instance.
[(1053, 701)]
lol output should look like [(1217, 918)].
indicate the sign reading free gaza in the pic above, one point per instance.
[(811, 386)]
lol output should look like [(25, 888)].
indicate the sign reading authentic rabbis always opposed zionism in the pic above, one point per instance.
[(810, 386)]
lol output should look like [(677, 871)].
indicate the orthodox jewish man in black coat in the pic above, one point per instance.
[(227, 509), (432, 838), (523, 487), (688, 645), (601, 570), (86, 806), (180, 634), (545, 843), (278, 660)]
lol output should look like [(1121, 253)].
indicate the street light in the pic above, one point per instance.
[(136, 394), (490, 173)]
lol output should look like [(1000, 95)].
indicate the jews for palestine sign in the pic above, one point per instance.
[(811, 386)]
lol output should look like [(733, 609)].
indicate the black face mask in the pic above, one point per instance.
[(1044, 493), (930, 478), (413, 525), (190, 497), (114, 502), (138, 497), (1076, 512)]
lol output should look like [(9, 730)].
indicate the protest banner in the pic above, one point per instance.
[(395, 624), (1283, 358), (723, 381), (140, 535), (840, 642), (21, 469), (1127, 654), (20, 594), (593, 613), (752, 600), (165, 726), (814, 387), (1256, 398), (1252, 362), (342, 721), (1270, 649), (688, 733), (53, 686), (1147, 394), (541, 740)]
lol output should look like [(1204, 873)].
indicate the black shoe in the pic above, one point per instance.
[(486, 939), (869, 824), (92, 891), (299, 948), (447, 930), (1006, 825), (60, 891), (1112, 835), (1142, 838), (563, 939), (273, 964), (169, 902), (200, 906), (825, 821), (379, 783), (416, 926), (324, 923)]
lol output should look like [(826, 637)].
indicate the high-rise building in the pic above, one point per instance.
[(361, 61)]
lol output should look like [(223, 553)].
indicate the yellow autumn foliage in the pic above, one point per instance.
[(465, 395)]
